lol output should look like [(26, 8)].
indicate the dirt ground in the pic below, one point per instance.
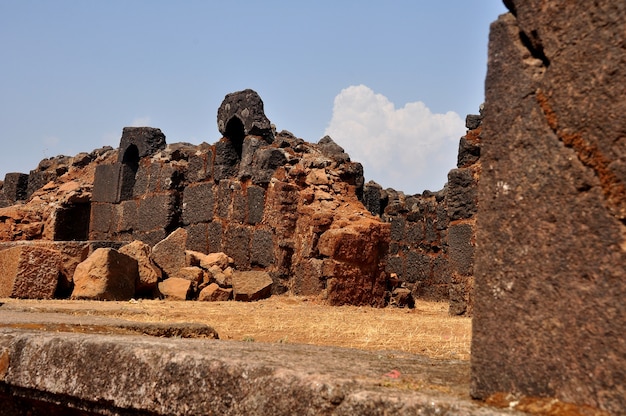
[(427, 329)]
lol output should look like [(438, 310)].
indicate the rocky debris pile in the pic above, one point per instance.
[(167, 271)]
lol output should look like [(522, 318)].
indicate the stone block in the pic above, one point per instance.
[(237, 245), (251, 285), (308, 278), (106, 183), (373, 198), (106, 275), (169, 254), (214, 239), (226, 161), (395, 264), (417, 267), (102, 219), (149, 273), (158, 211), (15, 187), (200, 166), (256, 204), (469, 151), (37, 179), (215, 293), (198, 203), (145, 140), (176, 288), (461, 296), (461, 248), (29, 272), (262, 248), (197, 237), (266, 161), (472, 121), (397, 228), (249, 147), (462, 194), (192, 273), (146, 178), (224, 198), (351, 284), (128, 216), (240, 208), (150, 237), (414, 233)]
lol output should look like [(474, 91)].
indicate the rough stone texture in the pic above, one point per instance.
[(176, 288), (146, 141), (265, 203), (214, 293), (207, 377), (29, 272), (157, 211), (15, 186), (192, 273), (549, 311), (106, 275), (418, 250), (247, 107), (198, 203), (37, 179), (206, 261), (106, 183), (72, 253), (169, 254), (251, 285), (149, 273)]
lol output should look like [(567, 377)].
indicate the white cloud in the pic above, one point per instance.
[(409, 149), (141, 122)]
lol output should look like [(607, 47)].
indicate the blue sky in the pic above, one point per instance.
[(390, 81)]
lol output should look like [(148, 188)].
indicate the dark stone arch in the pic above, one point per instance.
[(130, 165), (235, 133)]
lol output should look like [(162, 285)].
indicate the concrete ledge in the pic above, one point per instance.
[(42, 372)]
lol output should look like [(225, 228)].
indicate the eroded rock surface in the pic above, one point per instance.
[(549, 311)]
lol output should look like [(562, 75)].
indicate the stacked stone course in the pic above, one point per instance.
[(270, 200)]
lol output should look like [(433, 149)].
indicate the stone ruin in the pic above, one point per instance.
[(298, 212), (528, 235), (271, 201)]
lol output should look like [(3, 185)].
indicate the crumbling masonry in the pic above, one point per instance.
[(269, 200)]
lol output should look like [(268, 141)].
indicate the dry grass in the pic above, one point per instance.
[(426, 330)]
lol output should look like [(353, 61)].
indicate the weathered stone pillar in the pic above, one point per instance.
[(550, 269)]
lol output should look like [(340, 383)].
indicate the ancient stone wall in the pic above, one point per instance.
[(461, 206), (432, 234), (271, 201), (418, 253), (549, 313)]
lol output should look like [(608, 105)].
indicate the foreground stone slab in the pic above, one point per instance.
[(112, 374), (29, 272)]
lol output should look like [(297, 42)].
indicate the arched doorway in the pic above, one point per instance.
[(130, 165), (235, 132)]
